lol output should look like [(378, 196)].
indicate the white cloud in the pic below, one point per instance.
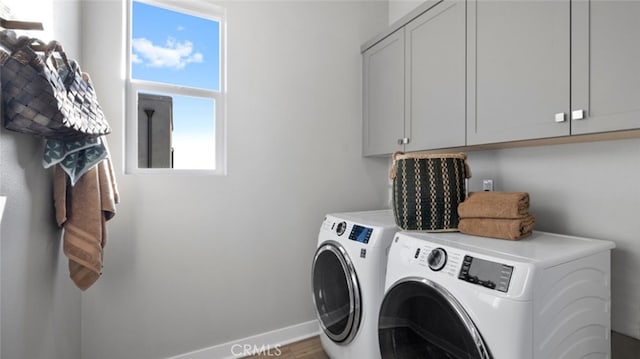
[(136, 59), (173, 54)]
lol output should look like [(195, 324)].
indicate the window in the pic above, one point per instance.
[(175, 86)]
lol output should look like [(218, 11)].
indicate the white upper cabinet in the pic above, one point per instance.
[(414, 83), (518, 70), (605, 66), (435, 78), (540, 69), (475, 72), (383, 95)]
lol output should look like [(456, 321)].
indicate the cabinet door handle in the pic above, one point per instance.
[(559, 117), (578, 115), (403, 141)]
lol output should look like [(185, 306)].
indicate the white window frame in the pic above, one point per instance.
[(200, 8)]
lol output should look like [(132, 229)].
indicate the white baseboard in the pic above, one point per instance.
[(268, 343)]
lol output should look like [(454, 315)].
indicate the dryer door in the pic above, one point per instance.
[(336, 292), (420, 319)]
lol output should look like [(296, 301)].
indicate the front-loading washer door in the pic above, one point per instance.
[(336, 292), (421, 320)]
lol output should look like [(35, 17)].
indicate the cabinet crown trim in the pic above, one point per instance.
[(397, 25)]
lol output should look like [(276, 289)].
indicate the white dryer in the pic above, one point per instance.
[(348, 281), (450, 295)]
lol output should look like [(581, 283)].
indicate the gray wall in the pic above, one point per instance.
[(40, 307), (196, 261)]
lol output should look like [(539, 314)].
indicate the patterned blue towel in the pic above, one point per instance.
[(75, 157)]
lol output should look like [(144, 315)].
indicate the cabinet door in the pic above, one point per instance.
[(518, 68), (383, 96), (605, 65), (435, 82)]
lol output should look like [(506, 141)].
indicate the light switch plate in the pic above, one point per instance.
[(3, 201)]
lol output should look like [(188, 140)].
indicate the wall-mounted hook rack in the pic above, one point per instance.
[(20, 25)]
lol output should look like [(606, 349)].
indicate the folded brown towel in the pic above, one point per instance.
[(83, 210), (498, 227), (495, 205)]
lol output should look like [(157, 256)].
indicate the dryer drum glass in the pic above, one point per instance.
[(335, 296), (418, 320)]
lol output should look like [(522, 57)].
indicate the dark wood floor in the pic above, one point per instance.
[(622, 348), (304, 349)]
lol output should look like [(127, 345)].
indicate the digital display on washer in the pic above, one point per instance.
[(486, 273), (360, 234)]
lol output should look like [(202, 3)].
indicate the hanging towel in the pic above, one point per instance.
[(495, 205), (512, 229), (75, 157), (83, 210)]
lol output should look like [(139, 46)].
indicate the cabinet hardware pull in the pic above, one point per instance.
[(403, 141), (560, 117), (578, 115)]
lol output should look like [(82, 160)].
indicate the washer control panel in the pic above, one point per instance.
[(360, 233), (488, 274), (341, 227), (437, 259), (357, 232)]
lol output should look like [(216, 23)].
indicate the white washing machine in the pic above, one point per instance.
[(450, 295), (348, 281)]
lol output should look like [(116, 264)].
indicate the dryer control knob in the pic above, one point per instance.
[(437, 259), (342, 226)]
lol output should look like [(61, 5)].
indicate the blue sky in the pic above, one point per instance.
[(180, 49), (169, 46)]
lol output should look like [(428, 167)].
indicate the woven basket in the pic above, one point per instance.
[(48, 96), (427, 189)]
